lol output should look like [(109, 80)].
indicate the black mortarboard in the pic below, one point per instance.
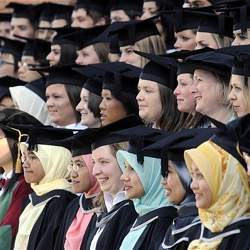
[(129, 33), (96, 5), (134, 5), (119, 77), (5, 17), (104, 136), (172, 145), (212, 61), (10, 118), (63, 75), (37, 48), (241, 65), (164, 5), (61, 11), (159, 69), (30, 12), (46, 12), (11, 46), (93, 81), (219, 24), (234, 137), (38, 86), (4, 92), (90, 36)]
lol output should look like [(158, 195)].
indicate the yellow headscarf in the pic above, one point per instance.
[(228, 183), (55, 161)]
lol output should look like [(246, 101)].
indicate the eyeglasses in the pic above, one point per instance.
[(75, 166)]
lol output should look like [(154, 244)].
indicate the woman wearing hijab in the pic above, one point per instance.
[(155, 212), (220, 185), (13, 189), (80, 211), (45, 167)]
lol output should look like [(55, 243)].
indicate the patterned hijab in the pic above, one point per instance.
[(228, 183)]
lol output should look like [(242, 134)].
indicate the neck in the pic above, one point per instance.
[(7, 167), (222, 115)]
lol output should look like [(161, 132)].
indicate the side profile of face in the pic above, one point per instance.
[(81, 19), (21, 27), (24, 73), (174, 189), (106, 170), (205, 39), (7, 65), (5, 28), (132, 183), (185, 40), (54, 56), (118, 16), (183, 92), (6, 102), (87, 56), (59, 107), (112, 109), (206, 91), (32, 168), (149, 9), (148, 99), (79, 175), (5, 153), (241, 38), (236, 96), (129, 56), (87, 116), (201, 189)]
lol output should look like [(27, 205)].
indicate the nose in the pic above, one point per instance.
[(96, 170), (123, 58), (235, 42), (194, 184), (176, 91), (49, 57), (139, 97), (49, 102), (73, 174), (78, 60), (79, 106), (177, 44), (145, 15), (124, 177), (102, 105), (231, 95), (21, 69)]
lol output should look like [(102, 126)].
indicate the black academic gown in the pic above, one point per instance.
[(44, 231), (116, 223), (69, 216), (157, 223), (184, 229), (235, 236)]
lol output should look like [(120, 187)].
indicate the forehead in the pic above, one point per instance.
[(56, 88), (150, 5), (20, 21), (103, 151), (147, 83)]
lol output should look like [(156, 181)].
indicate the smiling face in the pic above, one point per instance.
[(87, 116), (54, 56), (32, 168), (112, 109), (87, 56), (237, 97), (183, 93), (205, 90), (80, 175), (173, 187), (185, 40), (148, 99), (106, 170), (201, 189), (132, 183), (59, 107)]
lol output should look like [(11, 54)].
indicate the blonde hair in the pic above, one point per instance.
[(222, 42), (152, 44)]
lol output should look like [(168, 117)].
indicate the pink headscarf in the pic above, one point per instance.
[(80, 223)]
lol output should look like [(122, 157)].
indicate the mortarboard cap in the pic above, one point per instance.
[(11, 46), (159, 69), (134, 5), (5, 17), (38, 87), (60, 11), (211, 61), (164, 5), (129, 33), (46, 12)]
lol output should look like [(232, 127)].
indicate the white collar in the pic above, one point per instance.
[(7, 176), (110, 200)]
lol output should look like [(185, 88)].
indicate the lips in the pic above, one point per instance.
[(127, 188), (102, 180)]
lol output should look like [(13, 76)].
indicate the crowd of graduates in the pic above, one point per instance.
[(125, 124)]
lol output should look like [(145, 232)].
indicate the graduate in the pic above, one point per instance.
[(14, 190), (80, 211), (110, 227), (142, 181), (45, 168), (220, 185)]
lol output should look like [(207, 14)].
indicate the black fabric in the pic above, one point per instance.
[(153, 235), (38, 87), (45, 230), (187, 216)]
